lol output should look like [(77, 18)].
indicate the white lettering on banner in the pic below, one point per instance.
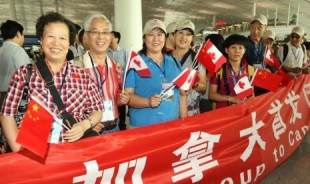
[(196, 157), (253, 131), (278, 126), (292, 101), (306, 91), (92, 172), (259, 171)]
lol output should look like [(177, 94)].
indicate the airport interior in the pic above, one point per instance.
[(223, 17)]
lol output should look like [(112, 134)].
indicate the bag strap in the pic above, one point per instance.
[(48, 78), (226, 82), (285, 52)]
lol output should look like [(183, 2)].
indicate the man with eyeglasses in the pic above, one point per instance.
[(293, 54)]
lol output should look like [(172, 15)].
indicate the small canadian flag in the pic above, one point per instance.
[(137, 63), (186, 79), (243, 88)]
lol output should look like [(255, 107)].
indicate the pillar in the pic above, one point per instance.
[(128, 21)]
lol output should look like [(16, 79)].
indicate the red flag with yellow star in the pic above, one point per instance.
[(264, 79), (35, 128)]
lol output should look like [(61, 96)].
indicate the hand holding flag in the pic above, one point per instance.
[(243, 88), (210, 57)]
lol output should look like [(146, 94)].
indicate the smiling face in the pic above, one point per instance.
[(183, 38), (55, 41), (155, 40), (99, 36)]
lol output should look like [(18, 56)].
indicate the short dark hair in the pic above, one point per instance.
[(54, 17), (81, 35), (216, 39), (10, 28), (235, 39), (117, 35)]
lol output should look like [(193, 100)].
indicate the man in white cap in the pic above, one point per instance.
[(256, 48), (293, 54), (170, 44)]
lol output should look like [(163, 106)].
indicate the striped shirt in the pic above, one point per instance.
[(108, 79)]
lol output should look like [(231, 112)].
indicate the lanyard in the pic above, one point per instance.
[(63, 80), (295, 53), (99, 80), (234, 77), (162, 69)]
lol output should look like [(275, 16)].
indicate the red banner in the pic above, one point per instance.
[(237, 144)]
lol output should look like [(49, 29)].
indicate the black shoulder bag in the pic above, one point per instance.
[(67, 117)]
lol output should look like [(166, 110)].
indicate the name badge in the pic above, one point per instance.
[(108, 114), (56, 131)]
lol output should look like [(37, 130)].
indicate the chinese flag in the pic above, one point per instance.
[(210, 57), (137, 63), (271, 60), (35, 128), (243, 88), (186, 79), (286, 78), (266, 80)]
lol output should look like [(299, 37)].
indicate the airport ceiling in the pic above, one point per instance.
[(201, 12)]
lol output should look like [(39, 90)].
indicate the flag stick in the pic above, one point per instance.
[(126, 69), (254, 76)]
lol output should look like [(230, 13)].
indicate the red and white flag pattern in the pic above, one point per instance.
[(210, 57), (186, 79), (271, 60), (243, 88), (137, 63)]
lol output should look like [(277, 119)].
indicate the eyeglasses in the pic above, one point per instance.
[(98, 33), (295, 36)]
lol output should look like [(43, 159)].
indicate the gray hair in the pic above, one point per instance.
[(91, 17)]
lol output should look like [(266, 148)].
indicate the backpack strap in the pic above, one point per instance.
[(285, 52), (226, 82)]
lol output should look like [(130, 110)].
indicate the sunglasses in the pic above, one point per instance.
[(295, 36)]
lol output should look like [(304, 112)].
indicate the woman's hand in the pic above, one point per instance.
[(77, 131), (154, 101), (123, 98)]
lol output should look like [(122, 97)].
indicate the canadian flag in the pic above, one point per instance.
[(210, 57), (186, 79), (243, 88), (137, 63), (271, 60)]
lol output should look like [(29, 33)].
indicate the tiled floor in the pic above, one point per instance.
[(296, 169)]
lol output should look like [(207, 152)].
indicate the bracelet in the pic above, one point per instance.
[(91, 122)]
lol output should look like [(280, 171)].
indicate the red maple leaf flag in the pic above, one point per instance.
[(35, 128), (137, 63), (243, 88), (186, 79), (210, 57), (271, 60), (264, 79)]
